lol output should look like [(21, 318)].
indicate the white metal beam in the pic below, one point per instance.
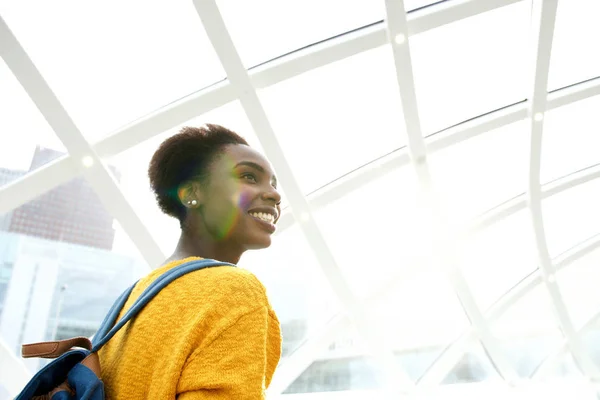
[(398, 37), (551, 362), (568, 257), (519, 203), (453, 353), (543, 21), (299, 62), (292, 65), (64, 169), (395, 379), (98, 175), (447, 360), (38, 182)]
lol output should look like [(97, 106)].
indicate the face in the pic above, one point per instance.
[(240, 202)]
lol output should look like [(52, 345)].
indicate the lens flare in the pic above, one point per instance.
[(239, 203)]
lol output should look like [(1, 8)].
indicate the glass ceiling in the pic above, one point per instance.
[(439, 171)]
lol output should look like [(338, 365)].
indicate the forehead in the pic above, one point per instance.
[(236, 153)]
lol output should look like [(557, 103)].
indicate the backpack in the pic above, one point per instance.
[(75, 373)]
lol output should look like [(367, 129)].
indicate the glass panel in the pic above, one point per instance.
[(351, 106), (529, 331), (427, 304), (496, 259), (27, 141), (63, 265), (570, 139), (297, 289), (288, 268), (567, 368), (575, 33), (125, 60), (459, 75), (531, 315), (266, 29), (578, 284), (572, 216), (377, 234), (346, 366), (376, 225), (475, 366), (417, 361), (336, 374), (476, 175), (528, 352), (591, 341)]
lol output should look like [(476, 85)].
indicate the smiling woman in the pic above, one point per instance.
[(213, 332)]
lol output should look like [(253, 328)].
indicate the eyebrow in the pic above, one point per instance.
[(255, 166), (251, 164)]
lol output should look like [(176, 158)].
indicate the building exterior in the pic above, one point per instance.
[(7, 176), (70, 213), (53, 290)]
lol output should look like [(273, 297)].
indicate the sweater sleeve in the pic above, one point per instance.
[(238, 364)]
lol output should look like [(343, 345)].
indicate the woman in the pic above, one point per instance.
[(211, 334)]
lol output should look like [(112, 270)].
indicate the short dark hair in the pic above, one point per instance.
[(183, 157)]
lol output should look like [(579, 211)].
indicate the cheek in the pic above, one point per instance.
[(242, 200)]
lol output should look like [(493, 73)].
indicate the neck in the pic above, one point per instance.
[(190, 245)]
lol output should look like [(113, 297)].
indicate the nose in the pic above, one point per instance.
[(272, 194)]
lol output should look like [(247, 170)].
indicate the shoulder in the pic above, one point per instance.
[(227, 285)]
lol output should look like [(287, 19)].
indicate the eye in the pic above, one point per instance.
[(249, 177)]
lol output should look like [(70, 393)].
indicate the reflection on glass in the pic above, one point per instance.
[(575, 33), (114, 62), (528, 352), (480, 173), (496, 259), (459, 74), (566, 368), (337, 118), (572, 216), (336, 374), (528, 331), (474, 366), (570, 139), (591, 341), (60, 267), (27, 142)]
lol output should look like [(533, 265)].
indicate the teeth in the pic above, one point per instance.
[(264, 216)]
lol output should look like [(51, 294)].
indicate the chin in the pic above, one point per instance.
[(263, 243)]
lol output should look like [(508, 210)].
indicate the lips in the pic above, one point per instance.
[(265, 217), (265, 210)]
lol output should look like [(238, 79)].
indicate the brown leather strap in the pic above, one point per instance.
[(63, 387), (54, 349)]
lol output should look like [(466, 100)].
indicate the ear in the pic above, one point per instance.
[(190, 191)]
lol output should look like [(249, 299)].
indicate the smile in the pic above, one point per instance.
[(266, 217)]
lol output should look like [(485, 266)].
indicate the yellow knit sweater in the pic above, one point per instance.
[(210, 334)]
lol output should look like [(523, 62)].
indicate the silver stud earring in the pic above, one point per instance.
[(192, 202)]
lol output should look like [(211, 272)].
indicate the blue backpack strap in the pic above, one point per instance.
[(111, 318), (102, 337)]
